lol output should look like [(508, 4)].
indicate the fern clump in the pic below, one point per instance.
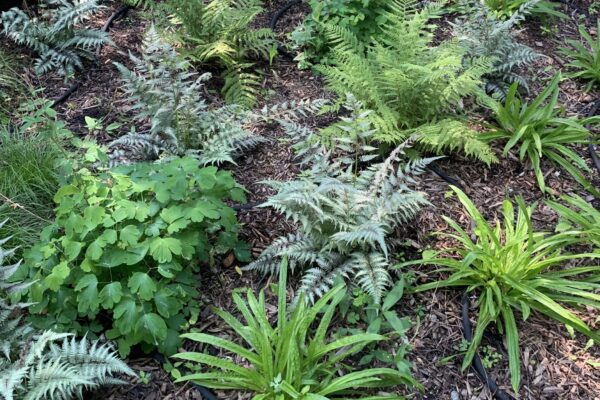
[(363, 17), (54, 35), (48, 365), (219, 32), (485, 35), (413, 87), (169, 97), (344, 212)]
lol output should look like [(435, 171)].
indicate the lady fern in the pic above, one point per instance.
[(344, 210), (219, 32), (54, 36), (409, 83)]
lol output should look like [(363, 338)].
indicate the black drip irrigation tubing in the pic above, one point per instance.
[(120, 12), (449, 179), (273, 24), (477, 364), (591, 146)]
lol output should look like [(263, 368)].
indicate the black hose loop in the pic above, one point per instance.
[(277, 16), (206, 393), (477, 364), (273, 24), (120, 12)]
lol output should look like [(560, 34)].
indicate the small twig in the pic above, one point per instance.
[(14, 204)]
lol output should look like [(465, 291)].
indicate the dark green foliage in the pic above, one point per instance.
[(123, 252), (361, 314), (28, 176), (219, 32), (584, 60), (364, 18), (512, 267), (290, 360), (539, 130), (54, 36), (48, 365), (413, 87)]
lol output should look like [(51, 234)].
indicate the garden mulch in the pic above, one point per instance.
[(557, 366)]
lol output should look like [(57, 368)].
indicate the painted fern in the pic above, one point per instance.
[(60, 45), (344, 211), (409, 83), (167, 97), (484, 34)]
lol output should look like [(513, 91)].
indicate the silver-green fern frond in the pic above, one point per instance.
[(344, 211), (485, 35), (168, 96), (54, 35)]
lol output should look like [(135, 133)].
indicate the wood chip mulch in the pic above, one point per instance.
[(557, 366)]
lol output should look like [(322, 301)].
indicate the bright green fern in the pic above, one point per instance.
[(413, 87), (220, 32)]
